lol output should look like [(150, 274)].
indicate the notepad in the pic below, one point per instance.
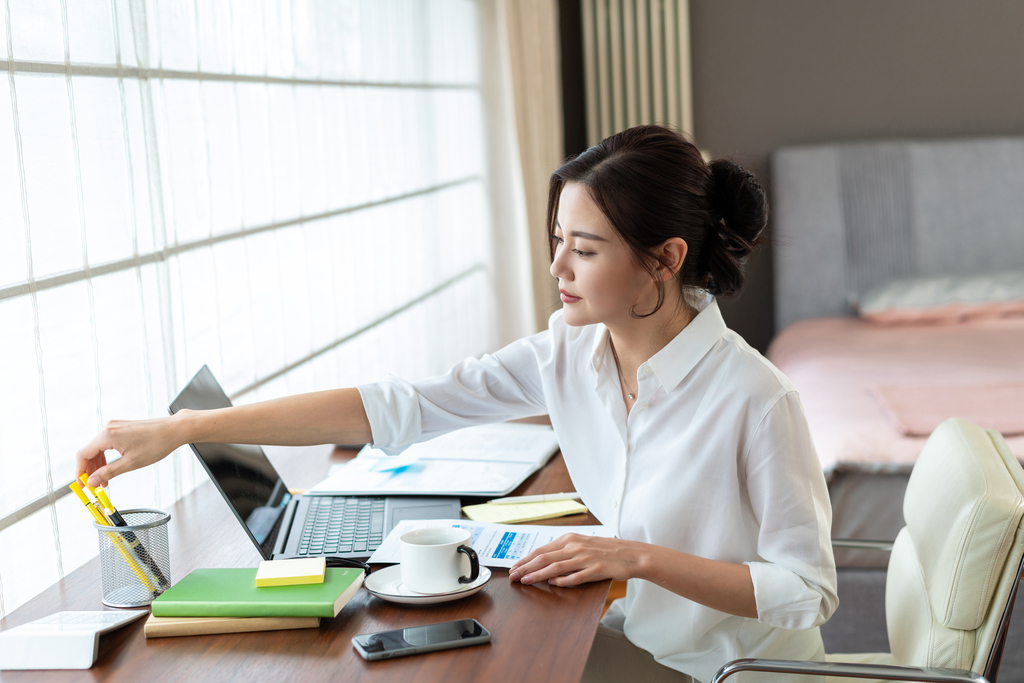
[(296, 572), (513, 513)]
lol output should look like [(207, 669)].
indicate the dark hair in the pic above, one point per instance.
[(652, 184)]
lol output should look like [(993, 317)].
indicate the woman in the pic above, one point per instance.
[(679, 437)]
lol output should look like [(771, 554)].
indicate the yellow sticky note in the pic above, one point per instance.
[(291, 572), (514, 513)]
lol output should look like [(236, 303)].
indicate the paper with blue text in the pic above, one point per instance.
[(497, 545)]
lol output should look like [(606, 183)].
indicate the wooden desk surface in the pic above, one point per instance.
[(539, 633)]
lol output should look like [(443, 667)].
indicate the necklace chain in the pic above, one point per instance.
[(629, 394)]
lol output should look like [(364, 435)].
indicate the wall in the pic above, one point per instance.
[(767, 74)]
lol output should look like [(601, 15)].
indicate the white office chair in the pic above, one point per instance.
[(953, 572)]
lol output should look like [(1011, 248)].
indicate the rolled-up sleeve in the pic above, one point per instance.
[(795, 583), (393, 409), (498, 387)]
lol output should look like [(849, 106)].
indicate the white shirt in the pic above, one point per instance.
[(715, 459)]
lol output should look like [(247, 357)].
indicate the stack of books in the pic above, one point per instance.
[(243, 600)]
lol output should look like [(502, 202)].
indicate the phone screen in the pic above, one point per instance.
[(422, 638)]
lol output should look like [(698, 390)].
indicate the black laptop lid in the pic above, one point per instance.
[(244, 475)]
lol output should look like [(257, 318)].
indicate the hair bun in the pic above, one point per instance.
[(741, 210)]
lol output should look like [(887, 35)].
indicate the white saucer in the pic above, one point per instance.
[(386, 584)]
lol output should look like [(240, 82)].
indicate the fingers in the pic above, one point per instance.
[(516, 569), (104, 474), (553, 570), (548, 565), (577, 578), (86, 459), (138, 442), (88, 465), (91, 458), (91, 467), (575, 559), (556, 544)]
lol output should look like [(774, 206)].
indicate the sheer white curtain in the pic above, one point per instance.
[(532, 27), (293, 192)]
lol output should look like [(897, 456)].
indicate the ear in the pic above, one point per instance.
[(670, 254)]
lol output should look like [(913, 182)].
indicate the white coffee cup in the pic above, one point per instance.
[(438, 560)]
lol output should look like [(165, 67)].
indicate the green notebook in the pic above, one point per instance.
[(233, 593)]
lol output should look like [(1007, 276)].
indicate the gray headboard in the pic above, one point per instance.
[(849, 216)]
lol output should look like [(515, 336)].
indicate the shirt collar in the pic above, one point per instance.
[(597, 352), (674, 362)]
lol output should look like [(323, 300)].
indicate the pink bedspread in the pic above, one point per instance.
[(917, 409), (838, 363)]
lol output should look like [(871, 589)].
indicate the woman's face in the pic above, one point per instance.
[(597, 278)]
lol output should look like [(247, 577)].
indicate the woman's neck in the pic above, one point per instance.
[(637, 340)]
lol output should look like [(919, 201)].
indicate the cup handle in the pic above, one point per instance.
[(474, 565)]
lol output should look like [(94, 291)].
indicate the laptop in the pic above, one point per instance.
[(285, 526)]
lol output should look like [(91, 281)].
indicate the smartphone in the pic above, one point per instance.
[(417, 639)]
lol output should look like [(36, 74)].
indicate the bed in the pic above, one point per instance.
[(866, 236)]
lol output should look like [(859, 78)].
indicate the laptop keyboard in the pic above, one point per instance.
[(342, 525)]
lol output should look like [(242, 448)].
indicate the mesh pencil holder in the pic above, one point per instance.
[(135, 560)]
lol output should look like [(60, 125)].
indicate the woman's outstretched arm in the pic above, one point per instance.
[(335, 416)]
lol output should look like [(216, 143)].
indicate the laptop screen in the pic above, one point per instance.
[(244, 475)]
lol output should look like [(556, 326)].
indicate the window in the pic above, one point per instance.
[(282, 190)]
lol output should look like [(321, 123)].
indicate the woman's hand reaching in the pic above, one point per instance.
[(335, 416), (573, 559), (140, 443)]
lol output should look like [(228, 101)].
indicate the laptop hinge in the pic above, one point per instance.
[(285, 527)]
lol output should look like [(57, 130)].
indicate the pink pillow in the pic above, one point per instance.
[(945, 300)]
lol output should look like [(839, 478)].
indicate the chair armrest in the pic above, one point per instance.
[(862, 544), (887, 672)]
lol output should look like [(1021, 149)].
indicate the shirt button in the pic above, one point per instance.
[(647, 371), (615, 504), (642, 406)]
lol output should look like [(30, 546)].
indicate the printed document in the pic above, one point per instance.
[(497, 545)]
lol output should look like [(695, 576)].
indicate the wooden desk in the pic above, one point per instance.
[(539, 633)]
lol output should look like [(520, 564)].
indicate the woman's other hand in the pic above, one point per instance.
[(140, 443), (573, 559)]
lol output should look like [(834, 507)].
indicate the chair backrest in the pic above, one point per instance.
[(955, 565)]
